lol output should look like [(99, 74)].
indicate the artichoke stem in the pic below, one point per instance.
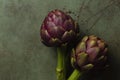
[(75, 75), (60, 70)]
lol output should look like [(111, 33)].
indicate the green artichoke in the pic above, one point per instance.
[(90, 53)]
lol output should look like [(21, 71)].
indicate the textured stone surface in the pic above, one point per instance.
[(24, 57)]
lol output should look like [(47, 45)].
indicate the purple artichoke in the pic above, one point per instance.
[(58, 29), (90, 53)]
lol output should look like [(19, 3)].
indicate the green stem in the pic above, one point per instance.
[(60, 70), (75, 75)]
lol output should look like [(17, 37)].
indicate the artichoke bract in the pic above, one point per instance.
[(58, 29), (90, 53)]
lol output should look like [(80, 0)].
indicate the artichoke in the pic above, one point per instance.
[(90, 53), (58, 29)]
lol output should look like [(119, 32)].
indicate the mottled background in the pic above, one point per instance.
[(24, 57)]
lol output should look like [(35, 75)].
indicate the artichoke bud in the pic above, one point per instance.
[(58, 28), (90, 53)]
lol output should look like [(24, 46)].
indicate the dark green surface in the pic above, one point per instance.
[(24, 57)]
